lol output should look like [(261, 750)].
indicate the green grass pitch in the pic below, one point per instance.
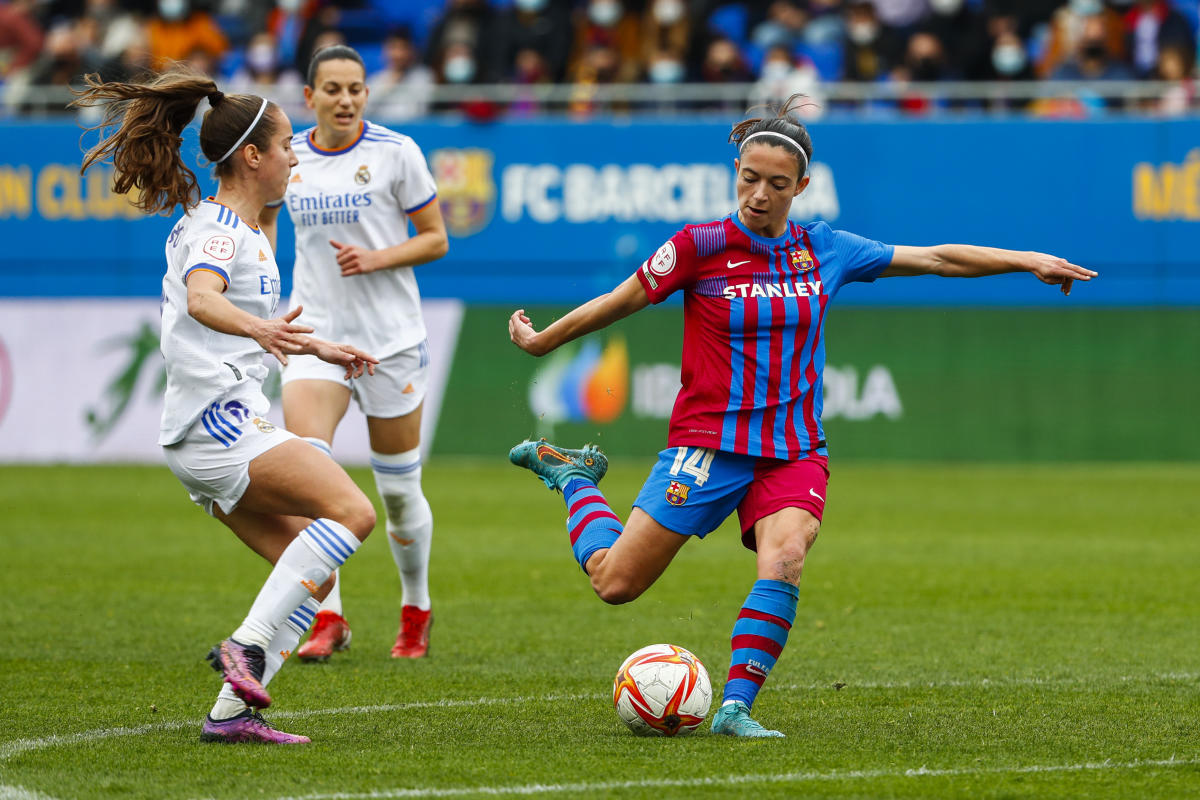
[(963, 631)]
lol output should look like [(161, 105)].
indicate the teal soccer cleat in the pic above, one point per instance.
[(556, 466), (733, 719)]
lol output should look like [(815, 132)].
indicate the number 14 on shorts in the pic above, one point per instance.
[(694, 461)]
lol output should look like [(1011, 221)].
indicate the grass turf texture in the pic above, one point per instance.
[(1007, 631)]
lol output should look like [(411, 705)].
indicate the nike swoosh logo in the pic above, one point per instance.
[(732, 264), (814, 494)]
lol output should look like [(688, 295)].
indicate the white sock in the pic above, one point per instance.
[(409, 521), (307, 562), (277, 651), (333, 600)]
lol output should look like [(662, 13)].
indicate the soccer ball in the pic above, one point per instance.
[(662, 690)]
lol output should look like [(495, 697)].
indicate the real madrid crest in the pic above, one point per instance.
[(677, 493), (363, 176), (801, 260)]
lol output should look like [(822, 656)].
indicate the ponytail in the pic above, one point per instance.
[(142, 131)]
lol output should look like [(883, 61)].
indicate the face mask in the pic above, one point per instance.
[(774, 70), (172, 9), (1008, 59), (529, 5), (261, 57), (927, 69), (289, 6), (666, 71), (459, 69), (1085, 8), (604, 13), (1094, 51), (862, 32), (668, 12), (945, 7)]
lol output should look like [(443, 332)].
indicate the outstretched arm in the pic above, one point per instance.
[(593, 315), (969, 261), (282, 336)]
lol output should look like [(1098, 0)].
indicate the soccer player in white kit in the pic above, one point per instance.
[(351, 197), (289, 503)]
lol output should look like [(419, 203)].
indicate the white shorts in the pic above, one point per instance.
[(395, 390), (212, 460)]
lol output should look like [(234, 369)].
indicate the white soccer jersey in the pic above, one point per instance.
[(361, 194), (202, 364)]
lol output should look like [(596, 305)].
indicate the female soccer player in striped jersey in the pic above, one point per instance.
[(351, 197), (287, 502), (745, 432)]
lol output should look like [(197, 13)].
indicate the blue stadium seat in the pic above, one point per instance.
[(730, 20), (827, 58)]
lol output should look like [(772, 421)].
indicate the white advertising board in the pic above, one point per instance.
[(80, 381)]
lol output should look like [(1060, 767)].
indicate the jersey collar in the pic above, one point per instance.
[(362, 131), (215, 202), (787, 236)]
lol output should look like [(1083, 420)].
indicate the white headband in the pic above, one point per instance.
[(257, 117), (788, 139)]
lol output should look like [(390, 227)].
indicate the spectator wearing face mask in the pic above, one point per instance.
[(468, 27), (1177, 66), (263, 73), (782, 77), (665, 32), (1009, 61), (177, 30), (784, 26), (537, 25), (925, 63), (1092, 60), (609, 25), (724, 63), (870, 51), (1066, 29)]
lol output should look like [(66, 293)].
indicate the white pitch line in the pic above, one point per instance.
[(21, 793), (741, 780), (19, 746)]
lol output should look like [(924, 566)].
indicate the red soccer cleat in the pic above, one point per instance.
[(330, 632), (413, 639)]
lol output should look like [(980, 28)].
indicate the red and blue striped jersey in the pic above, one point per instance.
[(754, 318)]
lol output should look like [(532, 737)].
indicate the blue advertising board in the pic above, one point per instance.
[(555, 212)]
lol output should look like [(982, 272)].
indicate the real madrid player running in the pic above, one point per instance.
[(288, 502), (745, 432), (351, 197)]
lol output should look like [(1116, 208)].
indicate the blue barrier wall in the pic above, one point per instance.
[(556, 212)]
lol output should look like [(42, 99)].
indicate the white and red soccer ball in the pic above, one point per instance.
[(662, 690)]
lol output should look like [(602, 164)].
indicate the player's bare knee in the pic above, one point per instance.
[(357, 514)]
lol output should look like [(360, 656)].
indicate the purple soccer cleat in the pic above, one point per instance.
[(246, 727), (242, 665)]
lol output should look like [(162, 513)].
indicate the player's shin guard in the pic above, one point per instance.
[(591, 524), (307, 562), (409, 521), (759, 635)]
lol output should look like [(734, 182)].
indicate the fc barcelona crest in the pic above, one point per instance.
[(677, 493), (801, 260), (466, 190)]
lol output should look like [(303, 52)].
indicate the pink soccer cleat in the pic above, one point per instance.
[(242, 665), (247, 727)]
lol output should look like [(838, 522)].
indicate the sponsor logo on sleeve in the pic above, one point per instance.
[(219, 247), (649, 275)]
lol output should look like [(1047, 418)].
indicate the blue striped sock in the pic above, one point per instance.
[(591, 524), (759, 634)]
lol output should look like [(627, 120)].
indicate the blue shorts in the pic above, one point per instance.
[(691, 490)]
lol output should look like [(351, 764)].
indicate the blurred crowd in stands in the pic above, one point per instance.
[(781, 46)]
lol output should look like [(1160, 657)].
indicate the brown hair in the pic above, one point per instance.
[(142, 130), (783, 122)]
